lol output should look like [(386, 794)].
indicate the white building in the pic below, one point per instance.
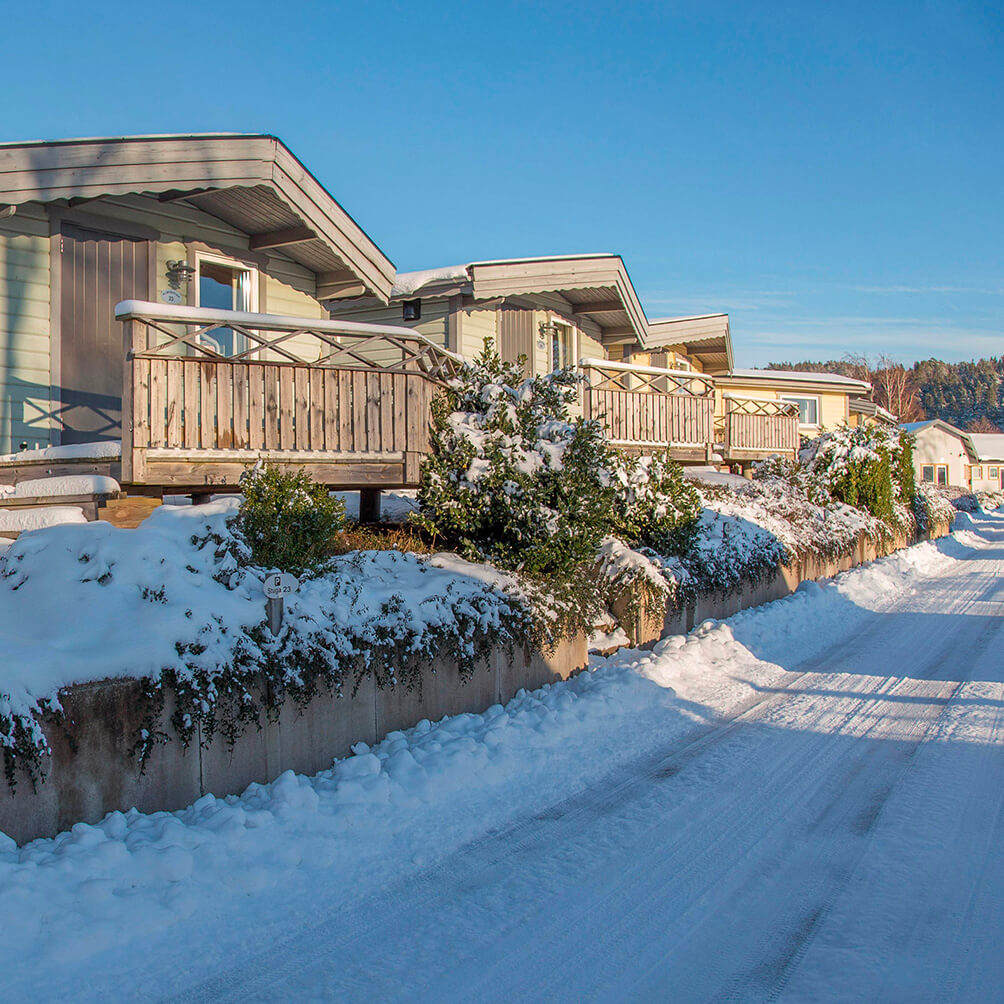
[(946, 455)]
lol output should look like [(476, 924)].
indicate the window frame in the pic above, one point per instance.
[(924, 468), (253, 283), (797, 399), (573, 341)]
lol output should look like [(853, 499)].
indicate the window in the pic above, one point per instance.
[(942, 475), (927, 473), (226, 285), (562, 345), (978, 473), (808, 408), (993, 473)]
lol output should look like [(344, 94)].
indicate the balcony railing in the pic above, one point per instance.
[(348, 402), (755, 428), (649, 408)]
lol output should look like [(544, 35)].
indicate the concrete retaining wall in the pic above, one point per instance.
[(652, 624), (92, 772)]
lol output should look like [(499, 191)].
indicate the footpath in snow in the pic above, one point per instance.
[(805, 800)]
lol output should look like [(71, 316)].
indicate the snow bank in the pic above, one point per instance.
[(213, 871)]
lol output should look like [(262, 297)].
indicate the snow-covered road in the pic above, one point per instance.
[(813, 811)]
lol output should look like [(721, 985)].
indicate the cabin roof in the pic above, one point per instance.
[(706, 337), (250, 181), (836, 380)]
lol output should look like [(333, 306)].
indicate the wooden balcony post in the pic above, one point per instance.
[(132, 341)]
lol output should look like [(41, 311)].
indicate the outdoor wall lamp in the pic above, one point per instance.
[(179, 272)]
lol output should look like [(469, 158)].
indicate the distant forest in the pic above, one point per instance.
[(969, 395)]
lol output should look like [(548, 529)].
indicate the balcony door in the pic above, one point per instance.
[(97, 270)]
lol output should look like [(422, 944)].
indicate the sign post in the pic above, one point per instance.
[(277, 586)]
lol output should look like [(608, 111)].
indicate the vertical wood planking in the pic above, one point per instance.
[(175, 400), (141, 402), (224, 405), (400, 423), (240, 386), (207, 412), (287, 408), (317, 409), (345, 411), (301, 399), (386, 411), (257, 406), (331, 410), (158, 402), (372, 412), (270, 415), (191, 370), (358, 410)]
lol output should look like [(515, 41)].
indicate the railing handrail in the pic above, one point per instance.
[(342, 339), (765, 406), (613, 364), (143, 310)]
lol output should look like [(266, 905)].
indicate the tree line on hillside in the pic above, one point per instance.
[(969, 395)]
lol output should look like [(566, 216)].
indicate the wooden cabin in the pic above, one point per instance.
[(220, 252)]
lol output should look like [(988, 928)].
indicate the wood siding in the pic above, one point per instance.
[(97, 271), (515, 332), (25, 358)]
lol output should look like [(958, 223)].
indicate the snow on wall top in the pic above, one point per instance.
[(79, 451), (406, 283)]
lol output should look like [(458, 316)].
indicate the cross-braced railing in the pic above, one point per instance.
[(649, 407), (208, 391), (755, 425)]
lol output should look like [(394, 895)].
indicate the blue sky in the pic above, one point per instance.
[(829, 174)]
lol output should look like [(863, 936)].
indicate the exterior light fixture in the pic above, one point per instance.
[(179, 272), (411, 310)]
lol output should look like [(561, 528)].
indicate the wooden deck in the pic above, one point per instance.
[(649, 409), (348, 403)]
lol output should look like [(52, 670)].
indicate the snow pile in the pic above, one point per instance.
[(20, 520), (70, 484), (169, 601), (138, 885)]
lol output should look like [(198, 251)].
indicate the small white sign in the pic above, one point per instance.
[(170, 296), (280, 584)]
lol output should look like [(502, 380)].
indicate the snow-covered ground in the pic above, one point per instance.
[(804, 802)]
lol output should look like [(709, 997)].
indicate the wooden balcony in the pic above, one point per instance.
[(208, 392), (647, 409), (754, 429)]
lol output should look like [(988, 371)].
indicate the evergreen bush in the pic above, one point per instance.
[(288, 522), (511, 478), (654, 505)]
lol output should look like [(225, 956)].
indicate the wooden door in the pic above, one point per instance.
[(515, 327), (97, 270)]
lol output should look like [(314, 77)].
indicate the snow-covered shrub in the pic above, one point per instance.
[(856, 466), (511, 478), (932, 507), (288, 522), (654, 505)]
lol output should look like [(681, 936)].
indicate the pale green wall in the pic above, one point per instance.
[(24, 329)]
